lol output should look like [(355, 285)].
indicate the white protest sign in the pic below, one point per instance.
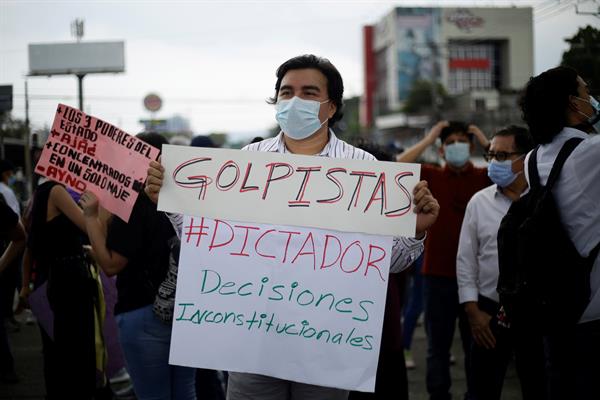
[(295, 303), (286, 189)]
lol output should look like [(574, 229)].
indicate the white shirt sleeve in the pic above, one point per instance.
[(585, 173), (404, 252), (466, 259), (11, 198)]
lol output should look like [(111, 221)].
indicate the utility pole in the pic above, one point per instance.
[(77, 32), (435, 111), (28, 172)]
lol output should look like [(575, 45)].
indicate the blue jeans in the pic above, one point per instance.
[(441, 311), (414, 303), (145, 341)]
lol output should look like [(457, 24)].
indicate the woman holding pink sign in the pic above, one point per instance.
[(56, 239), (138, 252)]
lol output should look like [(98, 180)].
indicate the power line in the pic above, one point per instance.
[(555, 12)]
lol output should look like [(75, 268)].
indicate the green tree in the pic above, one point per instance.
[(583, 55), (10, 127), (419, 97)]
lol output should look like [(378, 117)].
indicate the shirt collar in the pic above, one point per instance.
[(331, 144), (568, 133)]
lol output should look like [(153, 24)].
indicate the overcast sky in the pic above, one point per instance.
[(214, 62)]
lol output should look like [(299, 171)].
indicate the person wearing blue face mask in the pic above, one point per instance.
[(453, 185), (477, 273), (557, 106)]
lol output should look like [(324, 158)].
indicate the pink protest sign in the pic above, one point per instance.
[(86, 153)]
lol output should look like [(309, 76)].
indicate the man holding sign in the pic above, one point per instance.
[(308, 99)]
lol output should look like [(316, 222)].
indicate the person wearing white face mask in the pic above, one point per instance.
[(558, 107), (308, 99), (477, 273), (453, 185)]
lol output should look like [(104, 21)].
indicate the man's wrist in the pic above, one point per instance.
[(471, 306)]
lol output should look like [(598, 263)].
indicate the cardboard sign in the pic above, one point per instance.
[(301, 304), (286, 189), (84, 152)]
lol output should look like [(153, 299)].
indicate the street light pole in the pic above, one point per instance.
[(28, 172), (80, 87)]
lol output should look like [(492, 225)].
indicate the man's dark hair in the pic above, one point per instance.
[(153, 139), (335, 85), (545, 100), (6, 165), (202, 141), (523, 140), (374, 149), (455, 127)]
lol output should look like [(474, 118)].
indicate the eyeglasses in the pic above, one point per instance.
[(500, 155)]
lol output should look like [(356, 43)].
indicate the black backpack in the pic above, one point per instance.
[(544, 283)]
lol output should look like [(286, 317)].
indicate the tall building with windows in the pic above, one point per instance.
[(476, 54)]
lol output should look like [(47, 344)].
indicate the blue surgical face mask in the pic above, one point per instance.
[(595, 117), (299, 118), (594, 121), (11, 181), (500, 172), (457, 154)]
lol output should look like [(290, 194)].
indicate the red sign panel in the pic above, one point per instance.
[(469, 63)]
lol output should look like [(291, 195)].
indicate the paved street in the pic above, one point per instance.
[(27, 350)]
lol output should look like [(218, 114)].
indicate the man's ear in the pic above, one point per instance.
[(441, 152), (518, 165), (332, 110), (572, 105)]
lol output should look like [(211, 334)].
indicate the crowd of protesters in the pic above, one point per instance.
[(62, 242)]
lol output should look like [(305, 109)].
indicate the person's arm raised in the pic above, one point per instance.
[(412, 153), (62, 200), (480, 136), (111, 262)]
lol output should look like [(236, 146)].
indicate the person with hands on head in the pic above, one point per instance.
[(453, 185), (451, 150), (308, 102)]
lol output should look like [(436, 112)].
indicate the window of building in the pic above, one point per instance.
[(472, 65)]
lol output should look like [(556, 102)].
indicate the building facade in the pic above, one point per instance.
[(476, 54)]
